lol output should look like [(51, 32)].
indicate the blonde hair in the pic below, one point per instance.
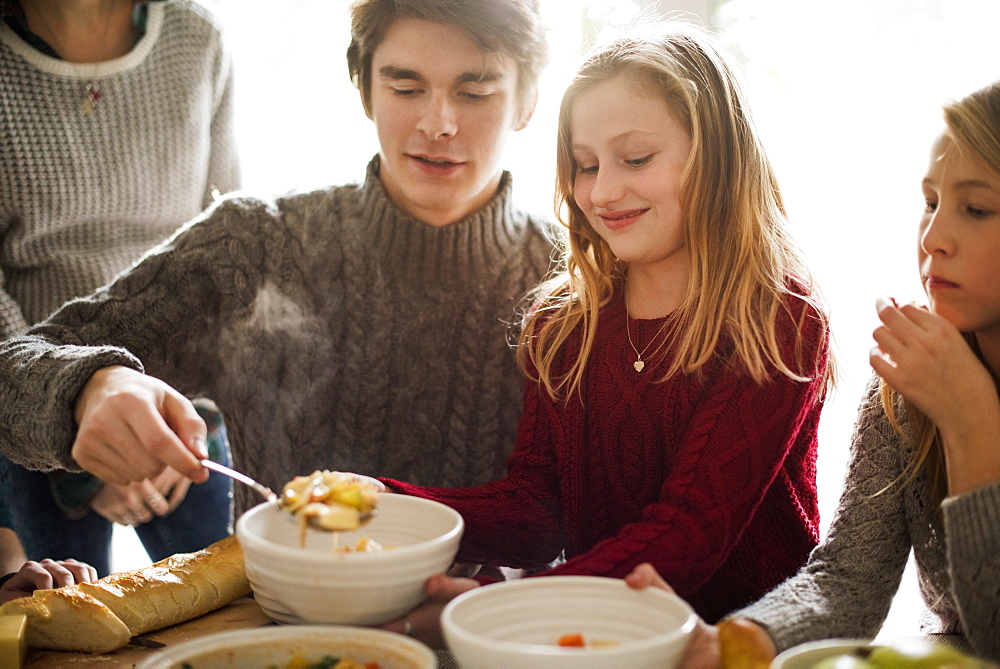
[(973, 124), (743, 263)]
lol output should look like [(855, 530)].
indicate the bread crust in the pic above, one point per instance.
[(102, 616), (64, 619), (176, 589)]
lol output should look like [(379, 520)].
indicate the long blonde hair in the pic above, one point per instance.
[(973, 124), (743, 263)]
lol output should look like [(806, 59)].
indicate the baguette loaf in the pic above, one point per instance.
[(178, 588), (63, 619), (101, 616)]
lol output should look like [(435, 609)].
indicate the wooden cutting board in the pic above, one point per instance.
[(242, 614)]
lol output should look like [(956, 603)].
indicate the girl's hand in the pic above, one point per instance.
[(424, 622), (703, 650), (46, 574), (927, 360)]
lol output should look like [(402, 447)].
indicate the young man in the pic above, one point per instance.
[(363, 327)]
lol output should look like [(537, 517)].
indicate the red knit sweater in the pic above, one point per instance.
[(712, 482)]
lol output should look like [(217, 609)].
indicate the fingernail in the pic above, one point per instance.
[(199, 446)]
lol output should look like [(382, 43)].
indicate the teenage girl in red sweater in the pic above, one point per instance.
[(677, 365)]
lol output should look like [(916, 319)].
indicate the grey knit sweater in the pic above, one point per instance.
[(847, 586), (332, 330), (82, 197)]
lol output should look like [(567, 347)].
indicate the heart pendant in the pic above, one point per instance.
[(638, 364)]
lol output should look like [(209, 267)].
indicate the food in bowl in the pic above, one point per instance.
[(519, 624), (579, 641), (311, 584), (362, 545), (330, 662), (332, 501), (296, 647)]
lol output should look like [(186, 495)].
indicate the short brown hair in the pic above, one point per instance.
[(510, 27)]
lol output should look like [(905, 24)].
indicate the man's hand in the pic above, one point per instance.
[(45, 574), (132, 426)]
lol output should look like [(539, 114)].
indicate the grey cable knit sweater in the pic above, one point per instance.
[(846, 588), (332, 330), (82, 197)]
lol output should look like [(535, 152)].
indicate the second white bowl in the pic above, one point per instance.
[(519, 624)]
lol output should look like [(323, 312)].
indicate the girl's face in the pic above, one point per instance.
[(630, 153), (959, 248)]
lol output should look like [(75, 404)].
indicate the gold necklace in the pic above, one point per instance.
[(639, 363), (91, 90)]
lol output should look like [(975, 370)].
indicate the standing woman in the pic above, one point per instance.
[(115, 127)]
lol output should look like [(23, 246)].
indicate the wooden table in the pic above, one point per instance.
[(244, 613)]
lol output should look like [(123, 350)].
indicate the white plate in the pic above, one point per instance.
[(275, 647)]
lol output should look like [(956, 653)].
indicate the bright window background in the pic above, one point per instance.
[(846, 95)]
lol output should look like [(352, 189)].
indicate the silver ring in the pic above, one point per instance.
[(407, 627), (153, 499)]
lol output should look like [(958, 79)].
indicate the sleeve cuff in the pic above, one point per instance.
[(971, 520), (73, 491)]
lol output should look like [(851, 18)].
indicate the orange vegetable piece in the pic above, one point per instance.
[(572, 640)]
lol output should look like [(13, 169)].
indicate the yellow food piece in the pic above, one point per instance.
[(332, 516), (326, 487), (741, 645), (13, 640)]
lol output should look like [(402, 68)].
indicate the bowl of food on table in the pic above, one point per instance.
[(566, 621), (296, 647), (914, 653), (370, 572)]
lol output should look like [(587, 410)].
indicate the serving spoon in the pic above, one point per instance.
[(314, 522)]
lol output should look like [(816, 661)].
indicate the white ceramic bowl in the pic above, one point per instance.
[(805, 655), (316, 585), (276, 646), (519, 623)]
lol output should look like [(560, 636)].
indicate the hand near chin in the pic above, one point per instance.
[(927, 360), (424, 622)]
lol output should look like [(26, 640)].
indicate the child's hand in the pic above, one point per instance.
[(45, 574), (703, 649), (927, 360), (424, 622)]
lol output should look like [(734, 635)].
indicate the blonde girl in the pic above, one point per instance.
[(925, 467), (676, 368)]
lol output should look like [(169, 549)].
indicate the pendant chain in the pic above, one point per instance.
[(639, 363), (91, 90)]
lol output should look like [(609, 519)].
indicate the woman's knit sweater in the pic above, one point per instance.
[(333, 331), (712, 482), (847, 587), (82, 197)]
